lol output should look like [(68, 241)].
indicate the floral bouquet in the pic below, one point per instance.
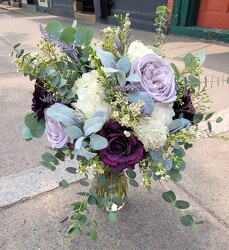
[(114, 107)]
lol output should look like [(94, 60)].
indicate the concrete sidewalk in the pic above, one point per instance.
[(33, 207)]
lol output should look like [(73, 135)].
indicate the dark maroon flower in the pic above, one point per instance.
[(122, 152), (184, 107), (39, 94)]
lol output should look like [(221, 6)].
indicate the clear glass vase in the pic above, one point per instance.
[(112, 190)]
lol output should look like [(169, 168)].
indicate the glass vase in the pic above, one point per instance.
[(111, 189)]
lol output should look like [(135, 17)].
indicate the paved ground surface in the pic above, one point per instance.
[(32, 208)]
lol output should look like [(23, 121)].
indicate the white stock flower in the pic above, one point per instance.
[(137, 50), (153, 130), (90, 95)]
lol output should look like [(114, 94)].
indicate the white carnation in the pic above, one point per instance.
[(90, 95), (137, 50), (153, 130)]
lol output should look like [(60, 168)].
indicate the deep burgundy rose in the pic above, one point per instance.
[(122, 152), (38, 105), (185, 107)]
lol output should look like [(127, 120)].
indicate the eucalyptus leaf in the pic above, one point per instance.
[(26, 133), (124, 64), (54, 28), (83, 36), (136, 96), (73, 132), (133, 78), (186, 220), (112, 217), (98, 142), (169, 196), (93, 235), (93, 125), (64, 184), (67, 35), (107, 58), (61, 113), (121, 77)]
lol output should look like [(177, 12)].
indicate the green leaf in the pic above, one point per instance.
[(16, 45), (60, 155), (74, 231), (84, 183), (179, 152), (131, 174), (186, 220), (106, 202), (219, 119), (67, 35), (63, 90), (47, 157), (26, 133), (182, 204), (97, 142), (54, 28), (93, 235), (73, 132), (71, 93), (102, 180), (174, 175), (54, 81), (112, 217), (64, 184), (124, 64), (198, 117), (79, 206), (117, 201), (82, 219), (36, 128), (93, 125), (133, 183), (71, 170), (208, 116), (19, 53), (169, 196), (48, 165), (83, 36), (91, 200), (93, 193), (209, 127)]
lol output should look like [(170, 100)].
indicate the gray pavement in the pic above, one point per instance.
[(32, 206)]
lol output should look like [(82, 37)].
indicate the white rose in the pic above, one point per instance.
[(90, 95), (153, 130), (137, 50)]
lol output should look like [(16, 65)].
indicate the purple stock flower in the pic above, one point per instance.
[(55, 130), (156, 78), (184, 107), (39, 94), (70, 50), (122, 152)]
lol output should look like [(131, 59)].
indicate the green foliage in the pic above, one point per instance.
[(160, 23), (64, 184), (112, 217), (83, 36)]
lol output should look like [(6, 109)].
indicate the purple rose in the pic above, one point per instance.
[(55, 130), (157, 78), (184, 107), (38, 105), (122, 152)]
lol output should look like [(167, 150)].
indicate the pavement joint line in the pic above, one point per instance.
[(200, 203), (29, 198), (5, 41), (8, 73)]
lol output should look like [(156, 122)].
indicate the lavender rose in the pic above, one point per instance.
[(156, 78), (55, 130), (122, 152), (38, 105)]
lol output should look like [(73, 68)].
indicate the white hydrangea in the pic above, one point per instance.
[(153, 130), (90, 95), (137, 50)]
